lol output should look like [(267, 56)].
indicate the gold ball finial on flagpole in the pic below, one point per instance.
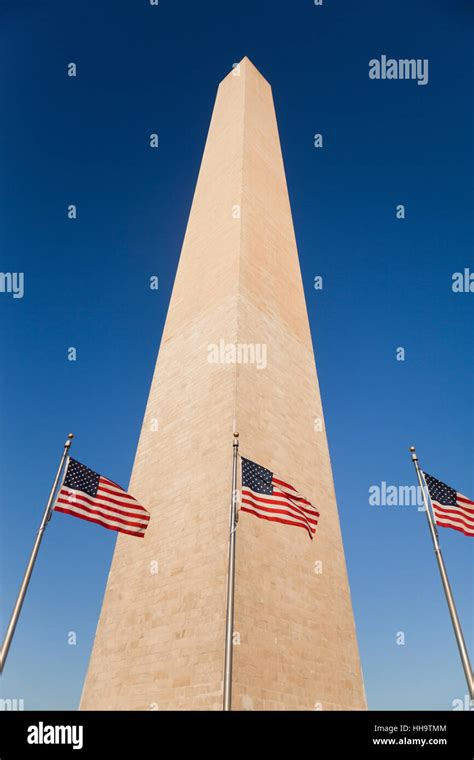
[(70, 436), (413, 454)]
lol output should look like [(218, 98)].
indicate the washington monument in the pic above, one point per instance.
[(159, 643)]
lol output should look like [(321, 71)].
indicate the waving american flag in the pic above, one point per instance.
[(451, 509), (88, 495), (269, 498)]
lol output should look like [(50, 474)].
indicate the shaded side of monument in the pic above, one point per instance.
[(160, 639)]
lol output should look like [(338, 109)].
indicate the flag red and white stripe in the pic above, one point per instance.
[(459, 517), (270, 498), (451, 508), (97, 499)]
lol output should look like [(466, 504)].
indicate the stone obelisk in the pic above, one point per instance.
[(160, 638)]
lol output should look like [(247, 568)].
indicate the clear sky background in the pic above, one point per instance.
[(387, 284)]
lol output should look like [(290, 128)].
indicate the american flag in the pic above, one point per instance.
[(88, 495), (269, 498), (451, 509)]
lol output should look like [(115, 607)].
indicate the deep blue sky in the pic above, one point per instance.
[(387, 283)]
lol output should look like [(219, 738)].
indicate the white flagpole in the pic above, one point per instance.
[(444, 578), (229, 623), (31, 563)]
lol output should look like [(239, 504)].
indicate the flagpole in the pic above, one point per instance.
[(229, 623), (444, 578), (29, 569)]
